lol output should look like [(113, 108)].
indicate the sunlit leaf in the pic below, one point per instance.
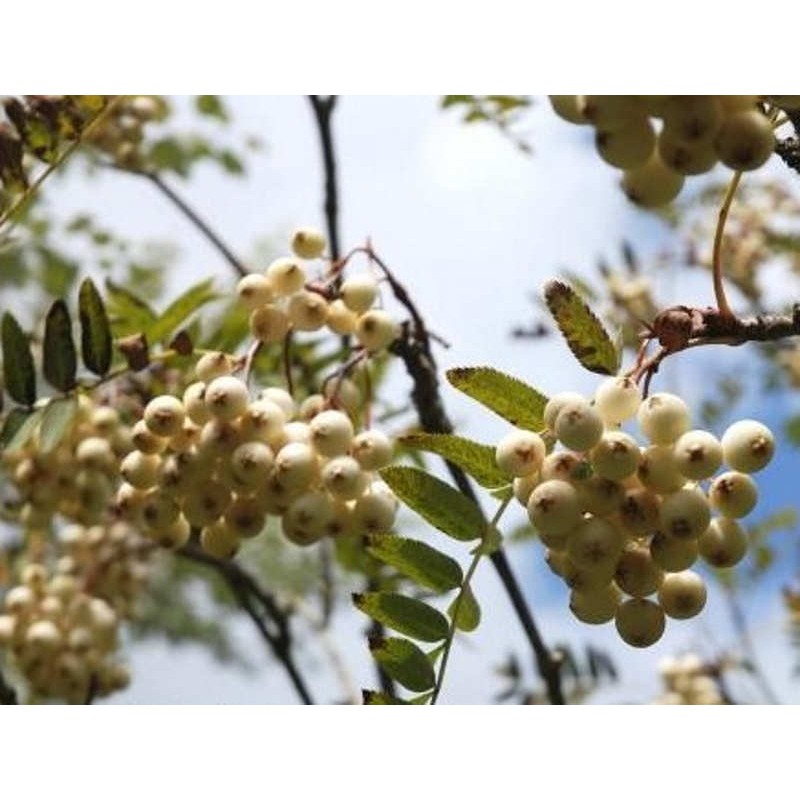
[(418, 561), (588, 340), (469, 612), (436, 501), (56, 420), (404, 614), (510, 398), (404, 662)]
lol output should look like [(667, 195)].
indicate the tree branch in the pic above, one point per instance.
[(323, 112), (8, 697), (414, 350), (260, 606), (789, 149)]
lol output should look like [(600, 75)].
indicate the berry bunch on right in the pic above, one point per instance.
[(622, 521), (658, 140)]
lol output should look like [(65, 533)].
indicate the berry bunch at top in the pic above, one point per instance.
[(623, 522), (59, 638), (284, 299), (220, 461), (75, 479), (658, 140)]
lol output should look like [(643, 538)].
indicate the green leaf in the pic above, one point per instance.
[(436, 501), (456, 99), (404, 614), (96, 342), (372, 698), (513, 400), (19, 372), (59, 361), (129, 313), (13, 422), (181, 308), (26, 431), (405, 663), (476, 459), (56, 419), (587, 338), (416, 560), (211, 106), (469, 612)]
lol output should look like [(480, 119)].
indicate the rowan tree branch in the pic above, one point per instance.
[(8, 697), (789, 149), (262, 608), (323, 109), (413, 347)]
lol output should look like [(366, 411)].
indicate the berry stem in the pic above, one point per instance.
[(479, 553), (719, 288)]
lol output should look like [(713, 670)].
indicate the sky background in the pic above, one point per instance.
[(473, 228)]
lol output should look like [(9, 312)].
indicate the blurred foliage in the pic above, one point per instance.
[(503, 111)]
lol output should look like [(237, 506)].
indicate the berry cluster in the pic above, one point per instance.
[(619, 519), (60, 639), (283, 299), (75, 479), (120, 135), (688, 681), (218, 461), (693, 134)]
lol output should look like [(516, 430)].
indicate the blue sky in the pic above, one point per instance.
[(472, 227)]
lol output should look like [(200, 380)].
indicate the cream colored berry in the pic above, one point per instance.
[(343, 394), (523, 487), (341, 319), (331, 433), (310, 407), (246, 517), (600, 496), (594, 542), (175, 535), (693, 118), (587, 579), (698, 454), (610, 111), (219, 540), (254, 291), (617, 399), (556, 403), (663, 418), (673, 554), (308, 311), (269, 324), (164, 415), (19, 599), (308, 243), (251, 463), (629, 146), (636, 572), (212, 365), (358, 293), (596, 607), (296, 465), (640, 623), (658, 469), (639, 512), (374, 513), (578, 426), (682, 595), (733, 494), (615, 456), (746, 140), (186, 438), (568, 107), (376, 329), (724, 544), (263, 420), (343, 477), (159, 510), (282, 399), (685, 514), (520, 453), (194, 402), (145, 441), (286, 275), (554, 508), (372, 449), (652, 184), (307, 517), (140, 470), (748, 446), (226, 398), (206, 503), (43, 636)]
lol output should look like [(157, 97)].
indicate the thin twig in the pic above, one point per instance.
[(719, 287), (258, 604), (323, 109), (413, 347), (287, 362)]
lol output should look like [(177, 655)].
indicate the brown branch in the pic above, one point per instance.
[(262, 608), (323, 112), (789, 149), (8, 697), (413, 347)]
